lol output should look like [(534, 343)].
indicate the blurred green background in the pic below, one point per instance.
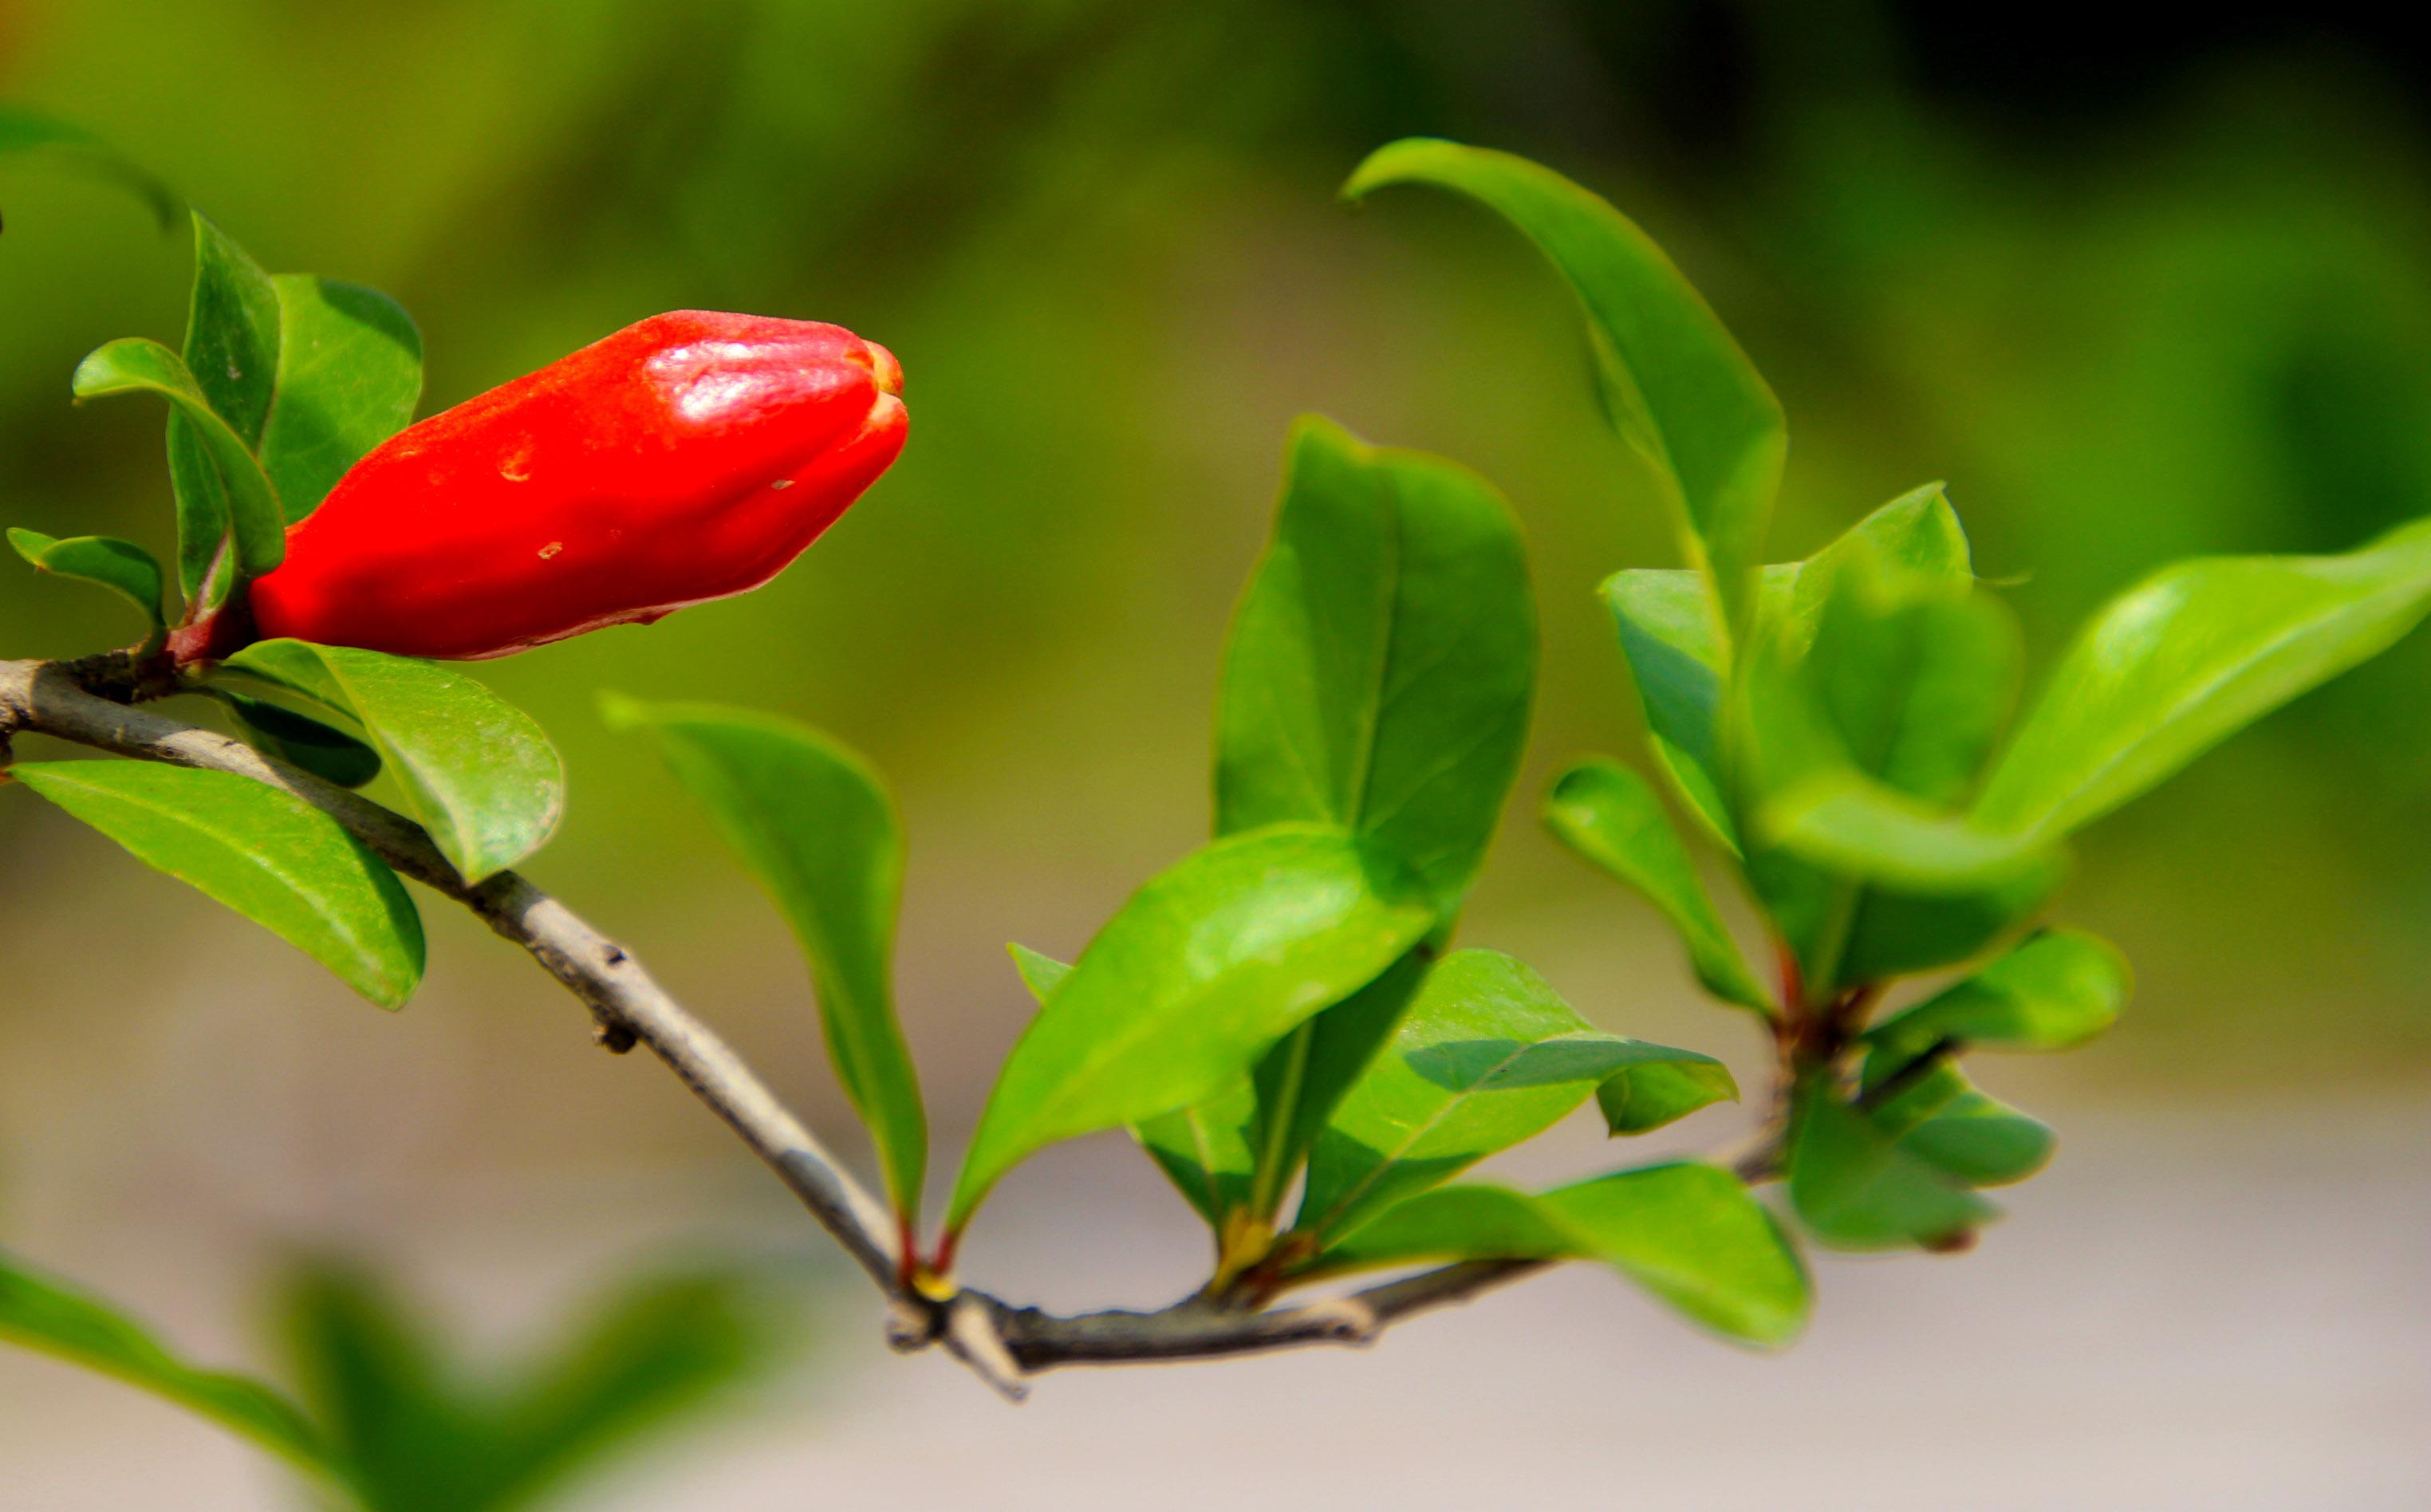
[(2132, 299)]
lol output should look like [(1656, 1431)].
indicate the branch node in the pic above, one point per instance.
[(911, 1324), (971, 1334), (614, 1038), (1346, 1319)]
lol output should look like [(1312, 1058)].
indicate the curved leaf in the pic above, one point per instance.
[(133, 364), (1675, 385), (2055, 991), (120, 566), (814, 825), (1204, 968), (1488, 1055), (1610, 818), (1677, 658), (477, 771), (232, 351), (2194, 653), (1689, 1232), (41, 1313), (1856, 1187), (29, 130), (300, 740), (266, 853), (1662, 1089), (1869, 831)]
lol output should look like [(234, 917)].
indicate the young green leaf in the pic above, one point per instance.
[(1681, 666), (120, 566), (477, 771), (1040, 972), (266, 853), (1689, 1232), (1381, 664), (1981, 1140), (40, 1313), (1488, 1056), (423, 1432), (1206, 966), (232, 351), (814, 825), (1677, 658), (1610, 818), (2055, 991), (28, 130), (1856, 1187), (1674, 385), (1916, 534), (1204, 1149), (2194, 653), (133, 364), (350, 371), (1300, 1083), (1847, 823), (1896, 935), (1850, 748), (1637, 1099), (1207, 1151), (300, 740)]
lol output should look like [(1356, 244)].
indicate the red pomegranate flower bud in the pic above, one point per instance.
[(686, 458)]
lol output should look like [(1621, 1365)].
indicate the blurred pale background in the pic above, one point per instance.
[(2131, 301)]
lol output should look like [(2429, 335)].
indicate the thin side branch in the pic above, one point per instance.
[(996, 1340)]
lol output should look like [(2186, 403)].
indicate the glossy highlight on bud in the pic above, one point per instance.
[(688, 457)]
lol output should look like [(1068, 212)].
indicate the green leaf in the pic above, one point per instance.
[(1853, 749), (1204, 968), (1677, 658), (1895, 935), (120, 566), (40, 1313), (2183, 661), (1848, 823), (477, 771), (653, 1353), (300, 740), (1300, 1083), (350, 371), (1856, 1187), (1612, 819), (1381, 664), (232, 351), (1916, 534), (814, 825), (426, 1434), (1689, 1232), (1204, 1149), (1981, 1140), (1040, 972), (1674, 385), (1649, 1096), (133, 364), (28, 130), (2055, 991), (266, 853), (1488, 1055), (1914, 672)]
